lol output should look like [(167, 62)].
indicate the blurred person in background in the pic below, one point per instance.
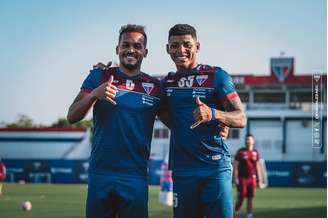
[(3, 172), (247, 174)]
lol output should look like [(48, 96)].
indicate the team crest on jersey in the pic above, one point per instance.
[(201, 79), (129, 84), (148, 87)]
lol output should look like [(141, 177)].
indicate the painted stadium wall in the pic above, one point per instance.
[(282, 174), (60, 155)]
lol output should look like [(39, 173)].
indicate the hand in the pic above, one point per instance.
[(102, 66), (236, 180), (106, 91), (224, 131), (261, 185), (202, 113)]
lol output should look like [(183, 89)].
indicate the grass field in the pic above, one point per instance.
[(68, 201)]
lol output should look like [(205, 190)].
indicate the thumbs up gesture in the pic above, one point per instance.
[(202, 113), (106, 91)]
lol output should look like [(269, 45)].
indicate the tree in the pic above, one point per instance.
[(63, 122), (23, 122)]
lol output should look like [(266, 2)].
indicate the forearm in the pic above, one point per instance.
[(80, 108), (232, 119)]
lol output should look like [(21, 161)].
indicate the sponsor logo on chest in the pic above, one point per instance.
[(129, 84), (148, 100), (245, 156)]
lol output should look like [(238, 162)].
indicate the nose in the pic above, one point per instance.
[(131, 49), (181, 48)]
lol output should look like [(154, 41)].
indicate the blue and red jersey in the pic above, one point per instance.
[(122, 134), (199, 151), (247, 162)]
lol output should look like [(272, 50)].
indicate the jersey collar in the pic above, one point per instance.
[(192, 71), (122, 74)]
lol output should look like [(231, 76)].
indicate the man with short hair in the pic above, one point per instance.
[(199, 97), (125, 102), (246, 174)]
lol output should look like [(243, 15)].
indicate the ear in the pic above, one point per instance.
[(146, 52), (117, 50), (167, 48), (197, 46)]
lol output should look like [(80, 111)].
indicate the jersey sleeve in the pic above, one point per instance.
[(92, 81), (224, 85)]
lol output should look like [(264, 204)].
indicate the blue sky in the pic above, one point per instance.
[(47, 47)]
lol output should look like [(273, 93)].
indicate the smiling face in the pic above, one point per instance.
[(131, 51), (183, 51)]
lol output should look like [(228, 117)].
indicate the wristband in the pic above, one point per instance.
[(213, 113)]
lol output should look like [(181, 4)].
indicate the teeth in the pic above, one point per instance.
[(181, 58), (130, 57)]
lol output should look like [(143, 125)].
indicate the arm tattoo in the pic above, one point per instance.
[(233, 114)]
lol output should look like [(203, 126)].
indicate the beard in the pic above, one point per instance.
[(130, 66)]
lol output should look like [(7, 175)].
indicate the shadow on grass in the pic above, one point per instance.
[(309, 212)]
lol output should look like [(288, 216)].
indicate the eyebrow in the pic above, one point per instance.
[(184, 42)]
